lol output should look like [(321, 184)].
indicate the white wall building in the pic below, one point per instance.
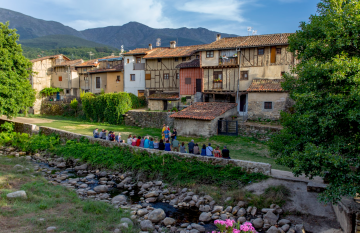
[(134, 71)]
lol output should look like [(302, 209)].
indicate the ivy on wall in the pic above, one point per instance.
[(50, 91)]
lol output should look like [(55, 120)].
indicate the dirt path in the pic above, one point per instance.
[(28, 120)]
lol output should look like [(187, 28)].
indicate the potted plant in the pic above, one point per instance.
[(233, 117)]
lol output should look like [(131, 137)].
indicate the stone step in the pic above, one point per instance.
[(316, 187)]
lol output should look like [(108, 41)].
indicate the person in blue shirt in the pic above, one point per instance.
[(167, 146), (146, 142), (96, 133), (167, 133), (203, 150), (151, 143)]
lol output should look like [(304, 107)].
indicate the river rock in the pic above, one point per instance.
[(258, 223), (174, 201), (217, 209), (83, 186), (198, 227), (235, 210), (169, 221), (195, 198), (17, 194), (187, 199), (271, 217), (223, 216), (204, 208), (241, 212), (18, 167), (151, 199), (119, 199), (299, 228), (146, 186), (156, 215), (123, 225), (291, 231), (51, 229), (101, 189), (285, 227), (142, 212), (205, 217), (102, 174), (208, 198), (228, 209), (241, 204), (91, 192), (81, 167), (273, 229), (283, 222), (127, 220), (146, 225), (192, 203), (90, 176), (241, 220), (265, 210), (194, 231), (152, 194), (253, 211)]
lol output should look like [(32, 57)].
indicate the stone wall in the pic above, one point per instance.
[(149, 119), (261, 132), (347, 212), (249, 166), (21, 127), (256, 105)]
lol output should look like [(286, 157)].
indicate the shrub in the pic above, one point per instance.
[(137, 102), (50, 91)]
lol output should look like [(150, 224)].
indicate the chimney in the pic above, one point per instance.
[(218, 37), (172, 44), (150, 46)]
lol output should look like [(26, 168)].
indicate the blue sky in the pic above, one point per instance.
[(227, 16)]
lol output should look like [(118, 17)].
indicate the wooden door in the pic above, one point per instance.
[(165, 105), (198, 85)]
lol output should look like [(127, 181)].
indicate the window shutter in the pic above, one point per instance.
[(60, 78), (273, 55), (147, 76)]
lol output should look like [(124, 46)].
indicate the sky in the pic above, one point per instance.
[(226, 16)]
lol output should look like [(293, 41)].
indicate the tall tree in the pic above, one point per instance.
[(322, 135), (16, 92)]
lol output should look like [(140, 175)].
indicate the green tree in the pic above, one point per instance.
[(322, 136), (16, 92)]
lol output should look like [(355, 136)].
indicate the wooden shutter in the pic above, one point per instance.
[(147, 76), (273, 55), (60, 78)]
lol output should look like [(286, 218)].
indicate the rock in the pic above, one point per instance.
[(248, 210), (117, 230), (204, 208), (258, 223), (184, 225), (101, 189), (283, 222), (17, 194), (208, 198), (192, 203), (241, 212), (158, 183), (228, 209), (265, 210), (194, 231), (187, 199), (142, 212), (169, 221), (217, 209), (151, 194), (151, 199), (51, 229), (174, 201), (184, 190), (241, 220), (146, 225), (81, 167), (156, 215), (102, 174), (127, 220), (228, 199), (146, 186), (83, 186), (61, 165), (18, 167), (285, 227), (241, 204), (90, 176), (198, 227), (235, 210), (273, 229), (299, 228), (291, 231), (91, 192), (271, 217), (205, 217), (223, 216), (123, 225), (119, 199), (253, 211)]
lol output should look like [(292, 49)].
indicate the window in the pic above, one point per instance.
[(187, 80), (177, 76), (147, 76), (128, 61), (261, 51), (159, 59), (60, 78), (118, 78), (132, 77), (244, 75), (209, 54), (184, 59), (84, 70), (67, 91), (138, 60), (282, 73), (267, 105), (98, 82), (278, 50), (217, 75), (176, 59), (166, 76), (141, 93)]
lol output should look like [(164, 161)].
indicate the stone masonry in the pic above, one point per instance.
[(149, 119)]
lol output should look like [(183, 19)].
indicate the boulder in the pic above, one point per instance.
[(151, 194), (146, 225), (17, 194), (151, 199), (299, 228), (119, 199), (158, 183), (235, 210), (241, 212), (194, 231), (205, 217), (228, 209), (204, 208), (253, 211), (285, 227), (61, 165), (123, 225), (208, 198), (81, 167), (241, 204), (241, 220), (102, 174), (142, 212), (195, 198), (156, 215), (273, 229), (127, 220), (283, 222), (217, 209), (169, 221), (101, 189), (271, 217), (258, 223), (223, 216), (198, 227)]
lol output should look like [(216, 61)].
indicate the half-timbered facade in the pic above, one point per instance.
[(83, 72)]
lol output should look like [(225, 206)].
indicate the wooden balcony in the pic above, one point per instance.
[(217, 86), (229, 61)]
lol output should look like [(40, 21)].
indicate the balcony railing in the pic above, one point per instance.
[(228, 61), (139, 66), (217, 85)]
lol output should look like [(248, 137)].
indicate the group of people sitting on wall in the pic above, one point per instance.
[(165, 143)]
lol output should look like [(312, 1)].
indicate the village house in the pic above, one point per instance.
[(231, 65), (162, 76), (41, 78), (134, 71), (108, 76), (83, 72)]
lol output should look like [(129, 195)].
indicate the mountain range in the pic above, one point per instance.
[(38, 33)]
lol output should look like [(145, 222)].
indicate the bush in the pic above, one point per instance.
[(50, 91), (137, 102)]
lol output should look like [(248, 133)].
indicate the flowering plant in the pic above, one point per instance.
[(229, 226)]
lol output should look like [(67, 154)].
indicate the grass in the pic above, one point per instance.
[(243, 148), (60, 207)]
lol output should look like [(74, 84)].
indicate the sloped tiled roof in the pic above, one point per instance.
[(49, 57), (164, 96), (93, 62), (204, 111), (191, 64), (137, 51), (70, 63), (266, 85), (181, 51), (248, 41), (118, 67)]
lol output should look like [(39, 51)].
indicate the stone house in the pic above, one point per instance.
[(201, 119), (163, 101), (231, 64), (108, 76), (134, 71), (83, 72)]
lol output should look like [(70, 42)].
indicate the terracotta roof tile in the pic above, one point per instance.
[(93, 62), (137, 51), (181, 51), (248, 41), (164, 96), (119, 67), (49, 57), (70, 63), (204, 111), (190, 64), (266, 85)]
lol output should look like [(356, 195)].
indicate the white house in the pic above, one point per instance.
[(134, 71)]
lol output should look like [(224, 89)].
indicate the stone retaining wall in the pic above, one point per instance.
[(249, 166), (148, 119), (21, 127), (261, 132)]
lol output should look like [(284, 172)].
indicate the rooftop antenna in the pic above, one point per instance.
[(254, 32), (249, 29), (90, 54), (158, 42)]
